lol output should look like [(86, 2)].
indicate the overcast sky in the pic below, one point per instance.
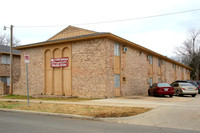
[(33, 20)]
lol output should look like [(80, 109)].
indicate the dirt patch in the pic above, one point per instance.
[(85, 110)]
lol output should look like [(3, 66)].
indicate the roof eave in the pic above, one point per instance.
[(150, 52), (9, 53), (61, 41)]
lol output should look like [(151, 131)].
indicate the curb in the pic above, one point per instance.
[(51, 114)]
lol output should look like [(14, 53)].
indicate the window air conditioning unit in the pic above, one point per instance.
[(149, 57), (125, 49)]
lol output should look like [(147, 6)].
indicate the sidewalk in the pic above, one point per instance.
[(132, 101)]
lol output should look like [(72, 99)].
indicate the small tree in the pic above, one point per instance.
[(5, 40), (189, 52)]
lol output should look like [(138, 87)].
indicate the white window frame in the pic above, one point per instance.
[(116, 49), (150, 58), (150, 81), (159, 80), (117, 80), (5, 59), (6, 79), (159, 62)]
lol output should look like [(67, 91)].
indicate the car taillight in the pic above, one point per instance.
[(160, 89)]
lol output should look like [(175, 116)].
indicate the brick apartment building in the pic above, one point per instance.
[(84, 63), (5, 68)]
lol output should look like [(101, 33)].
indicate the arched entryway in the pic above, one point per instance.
[(57, 78)]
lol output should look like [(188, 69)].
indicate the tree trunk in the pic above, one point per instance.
[(197, 70)]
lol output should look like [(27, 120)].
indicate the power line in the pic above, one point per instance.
[(146, 17), (113, 21)]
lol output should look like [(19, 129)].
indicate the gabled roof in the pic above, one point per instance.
[(71, 31), (6, 50), (82, 34)]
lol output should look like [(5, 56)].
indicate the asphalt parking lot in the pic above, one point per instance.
[(145, 101)]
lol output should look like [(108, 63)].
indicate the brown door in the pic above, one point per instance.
[(57, 79)]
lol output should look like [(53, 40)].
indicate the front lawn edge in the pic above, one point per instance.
[(51, 114)]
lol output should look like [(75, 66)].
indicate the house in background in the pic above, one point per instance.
[(5, 68), (84, 63)]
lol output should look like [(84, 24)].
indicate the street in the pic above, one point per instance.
[(28, 123)]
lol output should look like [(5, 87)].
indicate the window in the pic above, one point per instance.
[(159, 80), (6, 80), (5, 59), (159, 62), (150, 58), (117, 80), (150, 81), (116, 49), (154, 85), (174, 66)]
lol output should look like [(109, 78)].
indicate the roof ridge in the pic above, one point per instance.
[(68, 27)]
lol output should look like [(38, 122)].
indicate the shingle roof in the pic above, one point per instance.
[(63, 39), (6, 49), (81, 37)]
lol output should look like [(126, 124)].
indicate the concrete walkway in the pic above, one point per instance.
[(172, 114), (176, 112)]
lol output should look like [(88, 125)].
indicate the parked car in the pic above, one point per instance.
[(183, 88), (198, 82), (161, 89), (189, 81)]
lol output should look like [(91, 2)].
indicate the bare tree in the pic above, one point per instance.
[(189, 52), (5, 40)]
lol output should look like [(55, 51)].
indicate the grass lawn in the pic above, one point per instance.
[(85, 110), (46, 98)]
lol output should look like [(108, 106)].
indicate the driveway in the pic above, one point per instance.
[(176, 112)]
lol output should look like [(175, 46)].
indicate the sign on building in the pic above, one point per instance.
[(60, 62)]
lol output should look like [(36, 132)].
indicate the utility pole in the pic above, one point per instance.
[(11, 59)]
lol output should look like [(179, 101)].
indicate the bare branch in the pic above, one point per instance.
[(5, 40), (189, 52)]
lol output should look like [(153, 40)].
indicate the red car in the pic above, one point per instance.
[(161, 89)]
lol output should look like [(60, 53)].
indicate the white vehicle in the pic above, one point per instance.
[(181, 89)]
